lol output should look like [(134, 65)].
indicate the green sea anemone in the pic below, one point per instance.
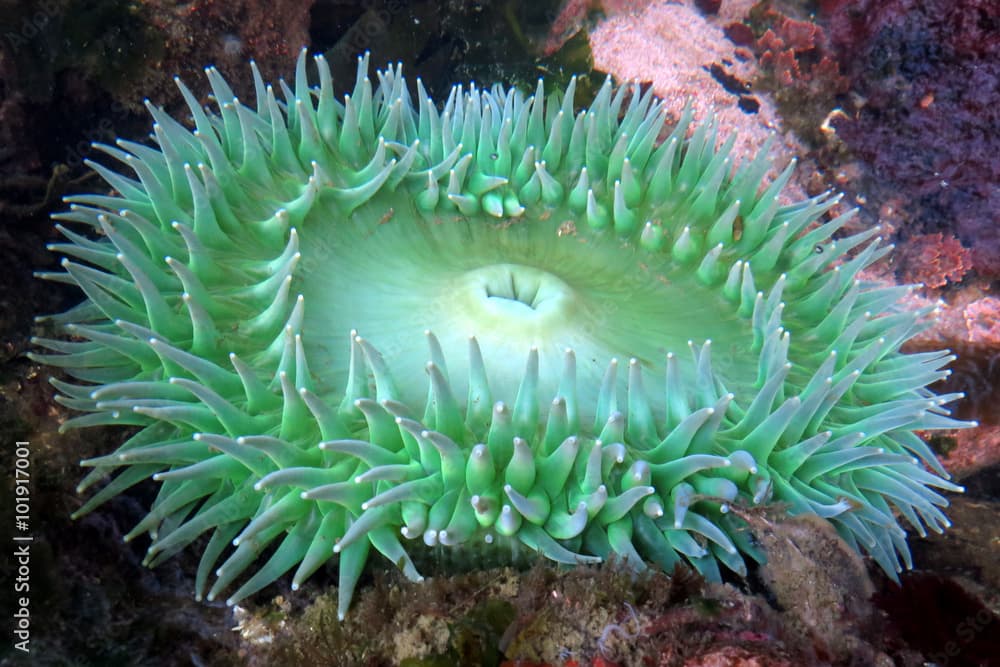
[(372, 322)]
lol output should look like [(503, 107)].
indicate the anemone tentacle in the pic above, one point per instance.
[(259, 292)]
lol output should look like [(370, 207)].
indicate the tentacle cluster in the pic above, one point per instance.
[(195, 328)]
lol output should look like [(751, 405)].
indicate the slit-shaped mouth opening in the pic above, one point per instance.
[(521, 284)]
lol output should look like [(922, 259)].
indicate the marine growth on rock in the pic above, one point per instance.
[(374, 323)]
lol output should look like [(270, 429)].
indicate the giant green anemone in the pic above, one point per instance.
[(374, 322)]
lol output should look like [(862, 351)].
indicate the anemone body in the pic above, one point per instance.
[(505, 324)]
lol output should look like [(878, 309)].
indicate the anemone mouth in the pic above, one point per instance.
[(507, 291), (380, 324)]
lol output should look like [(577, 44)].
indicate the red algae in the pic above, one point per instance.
[(795, 53), (927, 76), (934, 260)]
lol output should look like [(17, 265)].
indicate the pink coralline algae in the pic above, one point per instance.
[(683, 55), (969, 321), (970, 326), (982, 318)]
